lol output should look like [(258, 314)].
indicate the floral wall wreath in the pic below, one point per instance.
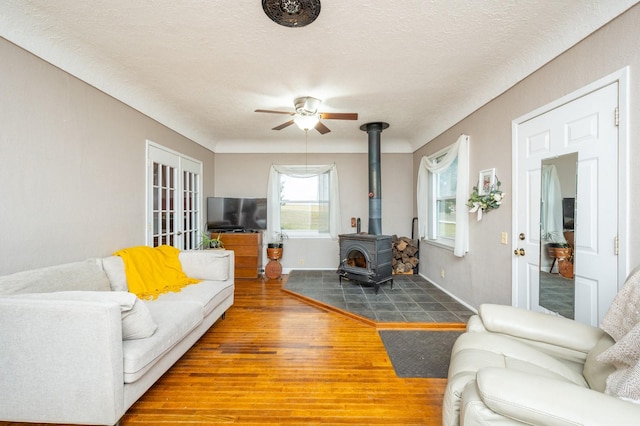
[(487, 195)]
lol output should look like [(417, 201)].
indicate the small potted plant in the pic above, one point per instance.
[(280, 237), (274, 249), (206, 242), (560, 250)]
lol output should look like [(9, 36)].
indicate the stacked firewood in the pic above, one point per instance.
[(405, 255)]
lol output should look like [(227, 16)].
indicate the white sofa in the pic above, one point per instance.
[(516, 367), (72, 345)]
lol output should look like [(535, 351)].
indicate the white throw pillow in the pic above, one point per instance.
[(137, 322), (114, 267), (211, 265)]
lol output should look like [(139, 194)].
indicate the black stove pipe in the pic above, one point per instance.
[(375, 200)]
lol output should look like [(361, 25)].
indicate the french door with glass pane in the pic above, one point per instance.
[(174, 198)]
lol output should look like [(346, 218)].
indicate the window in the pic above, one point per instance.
[(443, 183), (444, 203), (303, 201), (304, 204)]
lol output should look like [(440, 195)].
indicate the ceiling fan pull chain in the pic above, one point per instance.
[(306, 150)]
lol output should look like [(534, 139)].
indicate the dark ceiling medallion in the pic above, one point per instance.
[(292, 13)]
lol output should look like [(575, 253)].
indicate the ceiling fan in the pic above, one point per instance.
[(306, 115)]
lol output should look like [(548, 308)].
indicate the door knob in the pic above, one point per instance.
[(519, 252)]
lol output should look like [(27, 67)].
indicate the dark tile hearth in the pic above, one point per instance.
[(412, 299)]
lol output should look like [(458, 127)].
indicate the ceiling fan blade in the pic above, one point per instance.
[(274, 112), (322, 128), (283, 125), (339, 115)]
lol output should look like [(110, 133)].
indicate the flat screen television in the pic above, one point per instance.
[(236, 214), (568, 213)]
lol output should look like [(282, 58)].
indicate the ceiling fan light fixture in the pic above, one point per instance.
[(307, 105), (292, 13), (307, 116), (306, 122)]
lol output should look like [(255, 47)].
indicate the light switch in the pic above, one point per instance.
[(504, 238)]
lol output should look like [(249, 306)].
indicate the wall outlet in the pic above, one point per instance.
[(441, 273), (353, 222), (504, 238), (301, 261)]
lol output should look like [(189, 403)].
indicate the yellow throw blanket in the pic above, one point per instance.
[(153, 271)]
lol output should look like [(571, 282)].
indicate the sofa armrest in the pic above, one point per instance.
[(539, 327), (539, 400), (213, 265), (60, 361), (475, 325)]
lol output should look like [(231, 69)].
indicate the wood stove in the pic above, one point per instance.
[(366, 258)]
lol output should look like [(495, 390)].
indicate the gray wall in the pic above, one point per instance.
[(245, 175), (484, 275), (72, 166), (72, 172)]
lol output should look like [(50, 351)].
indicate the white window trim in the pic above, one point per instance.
[(459, 149), (432, 235), (307, 234), (273, 200)]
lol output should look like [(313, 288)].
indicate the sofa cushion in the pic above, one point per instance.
[(152, 271), (206, 264), (86, 275), (114, 268), (200, 264), (208, 294), (136, 318), (473, 351), (175, 320)]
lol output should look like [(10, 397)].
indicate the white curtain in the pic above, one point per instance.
[(273, 195), (459, 150), (551, 206)]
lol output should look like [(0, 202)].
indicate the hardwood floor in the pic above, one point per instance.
[(275, 359)]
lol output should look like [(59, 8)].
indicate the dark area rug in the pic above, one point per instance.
[(419, 353)]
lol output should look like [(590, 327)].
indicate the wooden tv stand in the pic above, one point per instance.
[(247, 248)]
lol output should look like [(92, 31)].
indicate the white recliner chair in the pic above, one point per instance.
[(515, 367)]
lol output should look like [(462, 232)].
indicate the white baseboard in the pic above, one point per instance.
[(471, 308)]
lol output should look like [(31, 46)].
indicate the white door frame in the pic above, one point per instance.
[(183, 163), (622, 78)]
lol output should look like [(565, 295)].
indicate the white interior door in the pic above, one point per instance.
[(174, 199), (586, 125)]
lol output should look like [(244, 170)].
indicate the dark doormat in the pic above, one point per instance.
[(419, 353)]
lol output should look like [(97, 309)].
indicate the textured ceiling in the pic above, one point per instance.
[(202, 67)]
